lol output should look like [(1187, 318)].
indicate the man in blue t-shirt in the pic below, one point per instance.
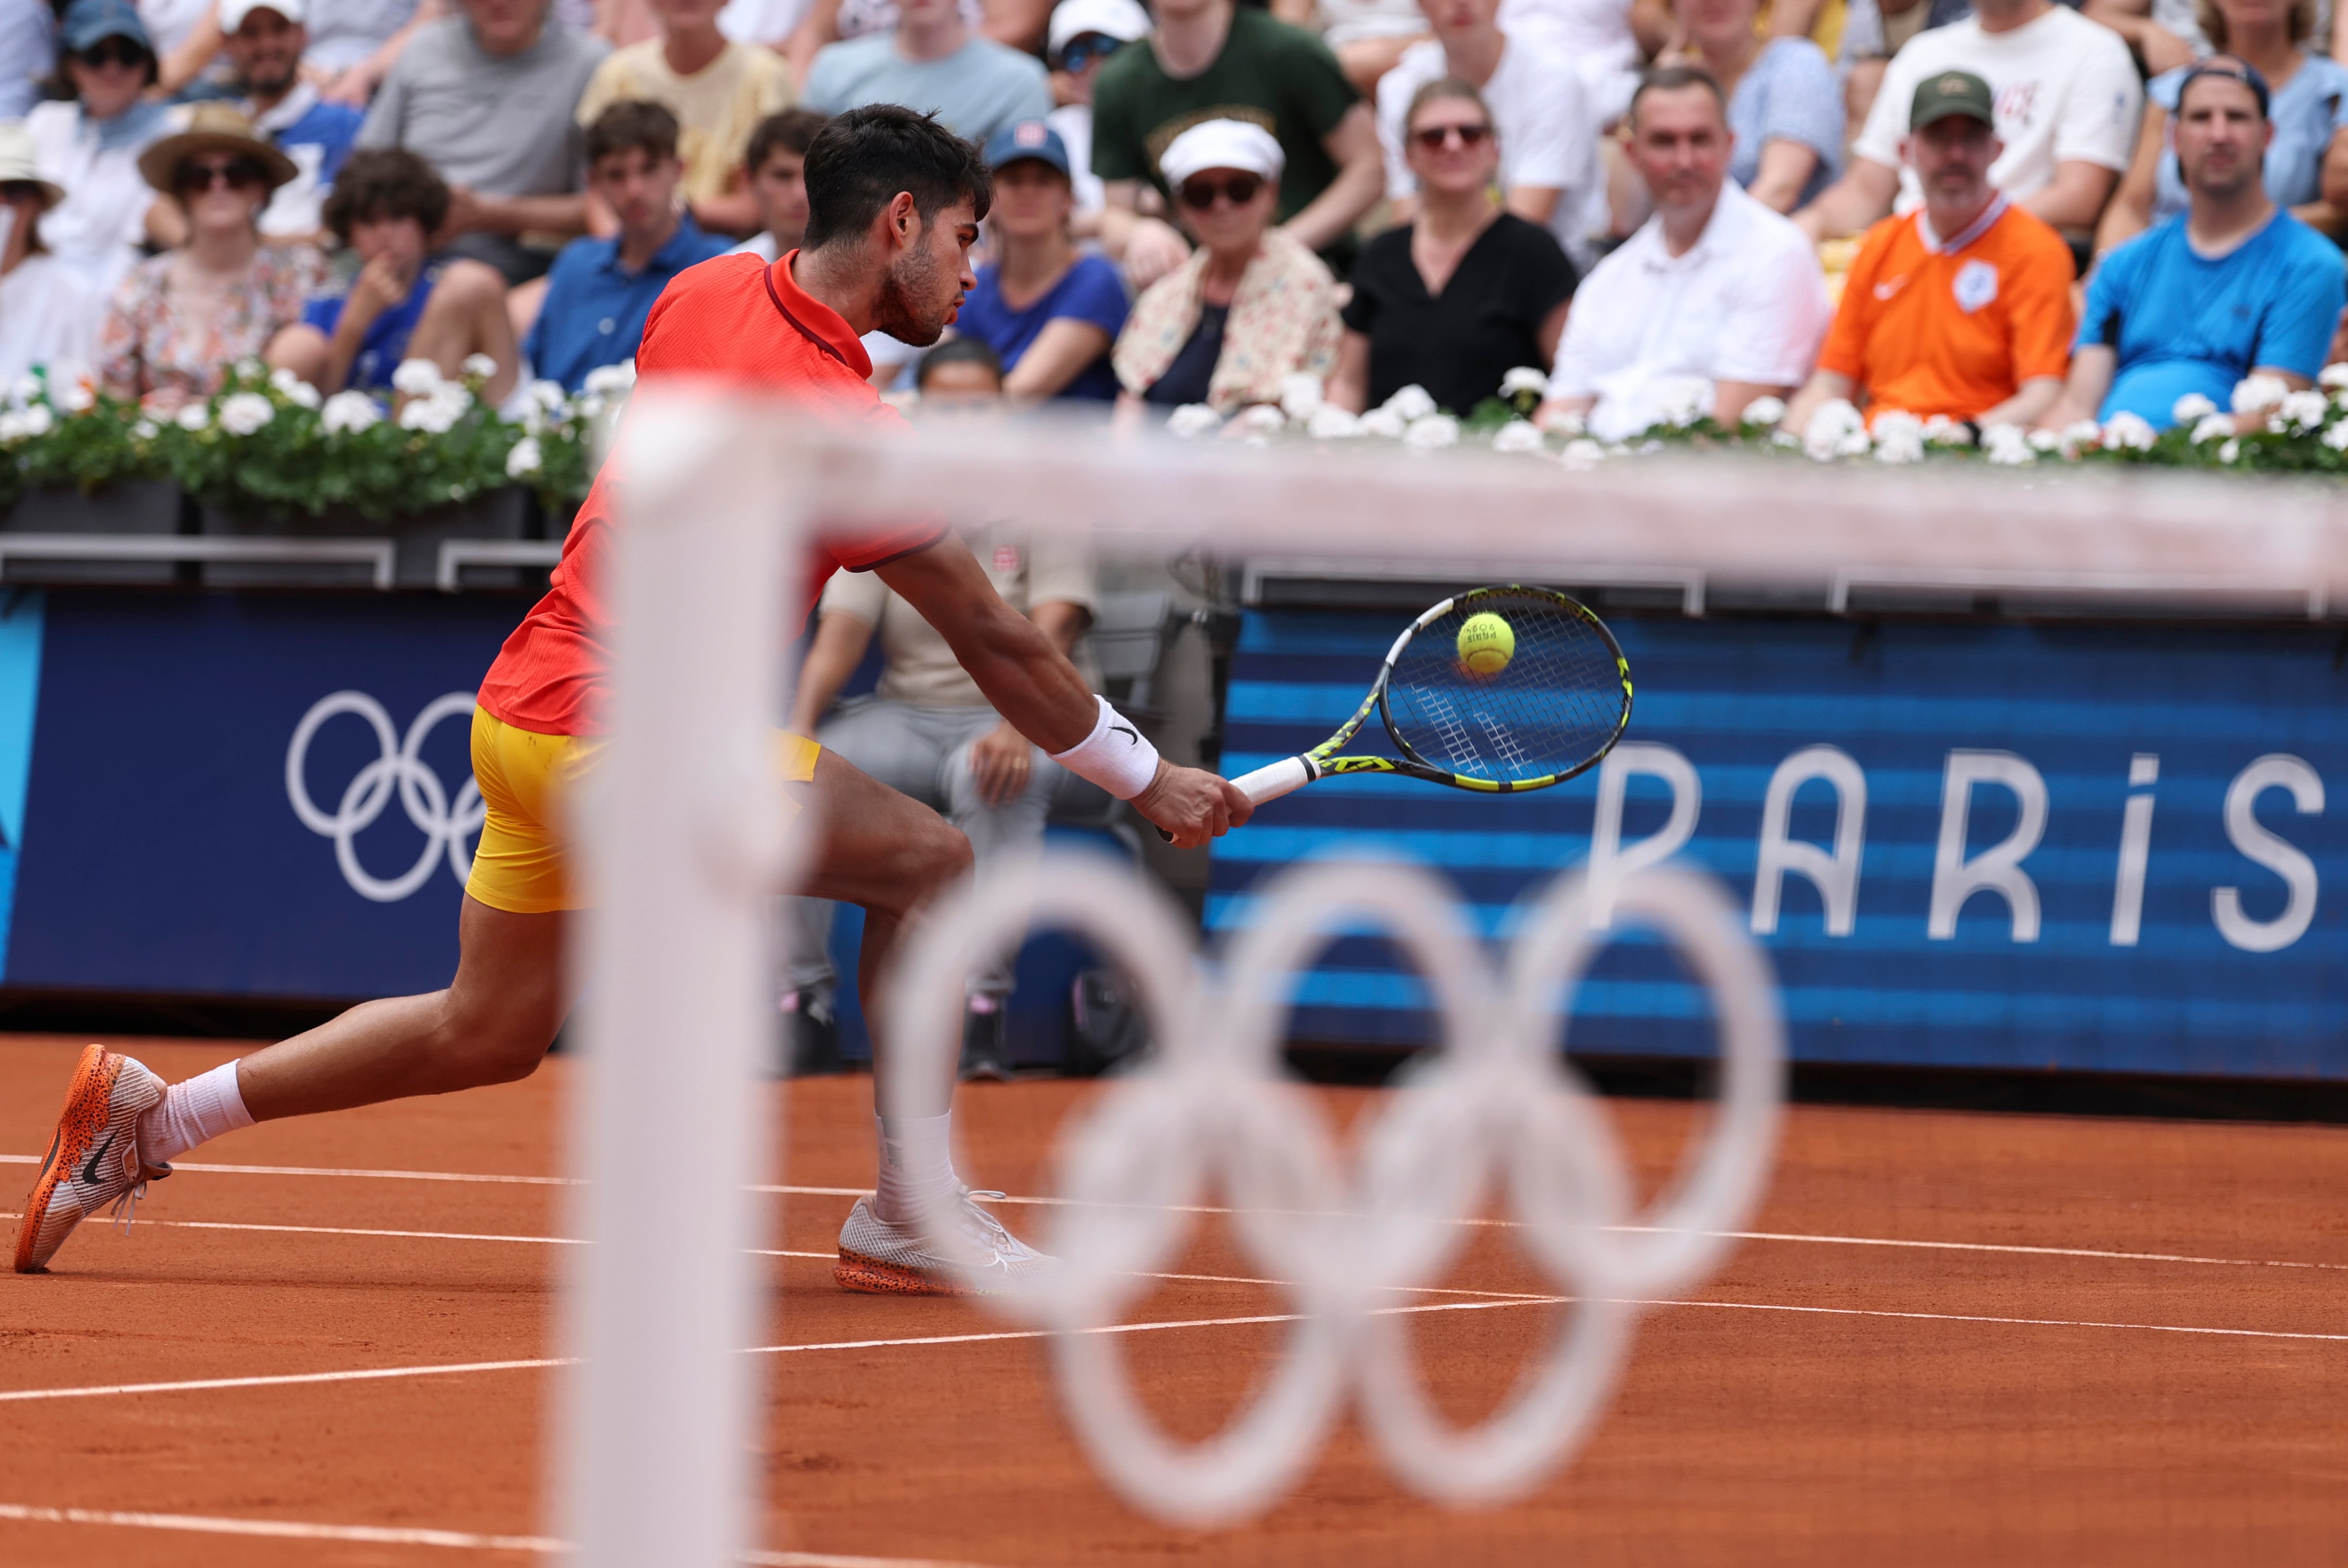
[(2230, 287), (1050, 312), (263, 40), (599, 291)]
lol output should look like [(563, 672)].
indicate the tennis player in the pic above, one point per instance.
[(894, 202)]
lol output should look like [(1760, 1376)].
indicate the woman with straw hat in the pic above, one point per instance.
[(48, 316), (180, 319)]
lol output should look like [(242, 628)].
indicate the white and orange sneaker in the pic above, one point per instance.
[(93, 1161), (877, 1258)]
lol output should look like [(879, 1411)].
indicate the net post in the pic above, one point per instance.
[(679, 826)]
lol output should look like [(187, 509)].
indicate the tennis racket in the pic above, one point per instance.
[(1554, 706)]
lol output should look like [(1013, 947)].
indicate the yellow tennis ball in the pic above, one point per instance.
[(1487, 644)]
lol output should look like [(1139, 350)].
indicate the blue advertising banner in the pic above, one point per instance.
[(234, 794), (1986, 846)]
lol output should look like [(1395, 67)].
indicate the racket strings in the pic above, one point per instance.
[(1556, 704)]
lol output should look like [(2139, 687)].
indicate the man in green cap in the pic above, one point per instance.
[(1960, 308)]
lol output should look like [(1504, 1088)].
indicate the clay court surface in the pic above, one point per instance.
[(1963, 1338)]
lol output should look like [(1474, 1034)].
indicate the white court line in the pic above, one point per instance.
[(2009, 1248), (381, 1535)]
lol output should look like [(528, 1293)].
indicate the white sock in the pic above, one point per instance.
[(916, 1160), (190, 1113)]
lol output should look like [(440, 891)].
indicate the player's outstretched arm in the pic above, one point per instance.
[(1033, 684)]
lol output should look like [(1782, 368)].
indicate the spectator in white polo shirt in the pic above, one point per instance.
[(2067, 104), (1715, 302), (1550, 168)]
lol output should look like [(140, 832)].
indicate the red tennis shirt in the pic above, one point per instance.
[(737, 318)]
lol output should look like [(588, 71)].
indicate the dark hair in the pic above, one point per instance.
[(958, 351), (2298, 28), (631, 125), (1443, 87), (1671, 78), (792, 130), (376, 185), (861, 160)]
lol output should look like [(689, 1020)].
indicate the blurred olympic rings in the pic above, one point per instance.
[(446, 826), (1497, 1108)]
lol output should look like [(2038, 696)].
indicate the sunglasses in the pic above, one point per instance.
[(236, 174), (1082, 52), (1238, 189), (1436, 138), (20, 190), (112, 52)]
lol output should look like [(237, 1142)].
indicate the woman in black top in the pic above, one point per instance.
[(1466, 292)]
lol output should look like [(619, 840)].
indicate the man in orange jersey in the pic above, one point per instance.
[(895, 204), (1961, 307)]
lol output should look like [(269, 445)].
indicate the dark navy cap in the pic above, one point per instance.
[(90, 22)]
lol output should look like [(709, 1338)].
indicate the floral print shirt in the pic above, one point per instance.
[(145, 348)]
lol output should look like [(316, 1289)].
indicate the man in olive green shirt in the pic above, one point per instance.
[(1213, 60)]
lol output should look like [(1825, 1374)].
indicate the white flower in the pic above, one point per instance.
[(478, 365), (192, 416), (2335, 375), (2212, 426), (1582, 453), (1785, 439), (1683, 399), (416, 378), (294, 389), (146, 429), (2254, 393), (438, 414), (2126, 432), (2009, 445), (1833, 429), (1432, 433), (549, 395), (244, 413), (1939, 430), (1619, 450), (24, 389), (1258, 419), (2231, 452), (349, 411), (2045, 441), (74, 397), (591, 405), (11, 426), (1567, 425), (2336, 437), (1189, 422), (2191, 410), (1413, 402), (1300, 396), (1331, 423), (2079, 434), (1384, 422), (250, 369), (2299, 413), (611, 380), (1898, 438), (1762, 413), (1524, 378), (1517, 436)]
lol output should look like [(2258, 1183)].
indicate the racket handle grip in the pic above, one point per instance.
[(1275, 779), (1270, 783)]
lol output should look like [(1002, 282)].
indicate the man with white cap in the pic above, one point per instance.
[(48, 315), (1084, 33), (265, 40), (1250, 308)]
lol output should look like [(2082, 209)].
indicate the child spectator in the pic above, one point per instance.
[(265, 40), (776, 160), (407, 303), (719, 91), (599, 291), (1050, 312), (180, 319)]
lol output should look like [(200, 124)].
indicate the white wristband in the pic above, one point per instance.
[(1114, 756)]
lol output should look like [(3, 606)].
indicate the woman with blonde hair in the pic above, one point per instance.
[(1250, 308), (2307, 97), (180, 319)]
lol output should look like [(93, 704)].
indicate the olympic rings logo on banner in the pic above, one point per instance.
[(447, 827), (1498, 1108)]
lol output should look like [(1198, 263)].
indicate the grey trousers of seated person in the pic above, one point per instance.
[(923, 752)]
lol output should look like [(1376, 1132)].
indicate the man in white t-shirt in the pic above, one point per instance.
[(1715, 302), (2068, 102), (1549, 168), (1595, 35)]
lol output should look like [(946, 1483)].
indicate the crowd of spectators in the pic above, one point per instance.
[(2001, 212)]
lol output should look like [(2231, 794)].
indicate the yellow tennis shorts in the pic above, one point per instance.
[(520, 865)]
